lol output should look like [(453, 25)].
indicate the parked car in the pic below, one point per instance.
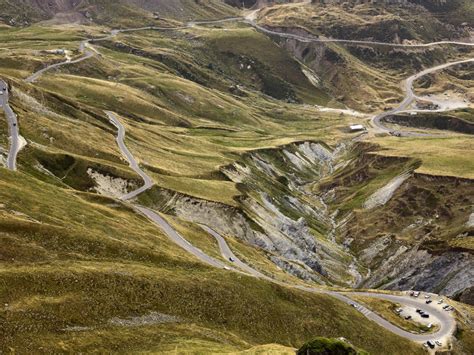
[(231, 259), (430, 325), (419, 310), (425, 315), (408, 317), (431, 344), (440, 301), (437, 342), (428, 301)]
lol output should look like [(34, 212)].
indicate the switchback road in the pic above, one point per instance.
[(445, 320), (410, 97), (148, 182)]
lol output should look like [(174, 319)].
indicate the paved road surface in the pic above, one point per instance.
[(32, 78), (227, 254), (15, 144), (410, 97), (444, 319), (151, 215), (148, 182), (312, 39), (178, 239), (89, 54)]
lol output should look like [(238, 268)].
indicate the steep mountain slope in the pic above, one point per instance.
[(75, 279), (241, 131), (102, 11)]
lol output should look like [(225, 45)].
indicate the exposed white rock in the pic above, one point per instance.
[(385, 193), (149, 319), (312, 77), (108, 185), (470, 222)]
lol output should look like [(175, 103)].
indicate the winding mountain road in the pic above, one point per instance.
[(445, 320), (312, 39), (86, 54), (410, 97), (147, 180), (32, 78), (249, 19), (148, 183), (15, 143)]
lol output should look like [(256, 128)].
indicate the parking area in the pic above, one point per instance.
[(437, 303)]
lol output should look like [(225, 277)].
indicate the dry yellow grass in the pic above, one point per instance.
[(451, 156)]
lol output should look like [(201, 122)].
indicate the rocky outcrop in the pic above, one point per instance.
[(420, 239), (303, 205), (278, 211)]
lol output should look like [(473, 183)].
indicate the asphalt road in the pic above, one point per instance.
[(312, 39), (35, 76), (178, 239), (410, 97), (227, 254), (446, 321), (151, 215), (13, 129), (148, 182), (443, 318)]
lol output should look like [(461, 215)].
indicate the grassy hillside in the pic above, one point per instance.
[(364, 21), (75, 263), (122, 12), (82, 271)]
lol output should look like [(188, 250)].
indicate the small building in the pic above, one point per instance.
[(356, 128)]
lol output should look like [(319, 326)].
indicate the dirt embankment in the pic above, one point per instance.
[(434, 121)]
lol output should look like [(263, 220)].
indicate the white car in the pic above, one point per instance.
[(440, 301)]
